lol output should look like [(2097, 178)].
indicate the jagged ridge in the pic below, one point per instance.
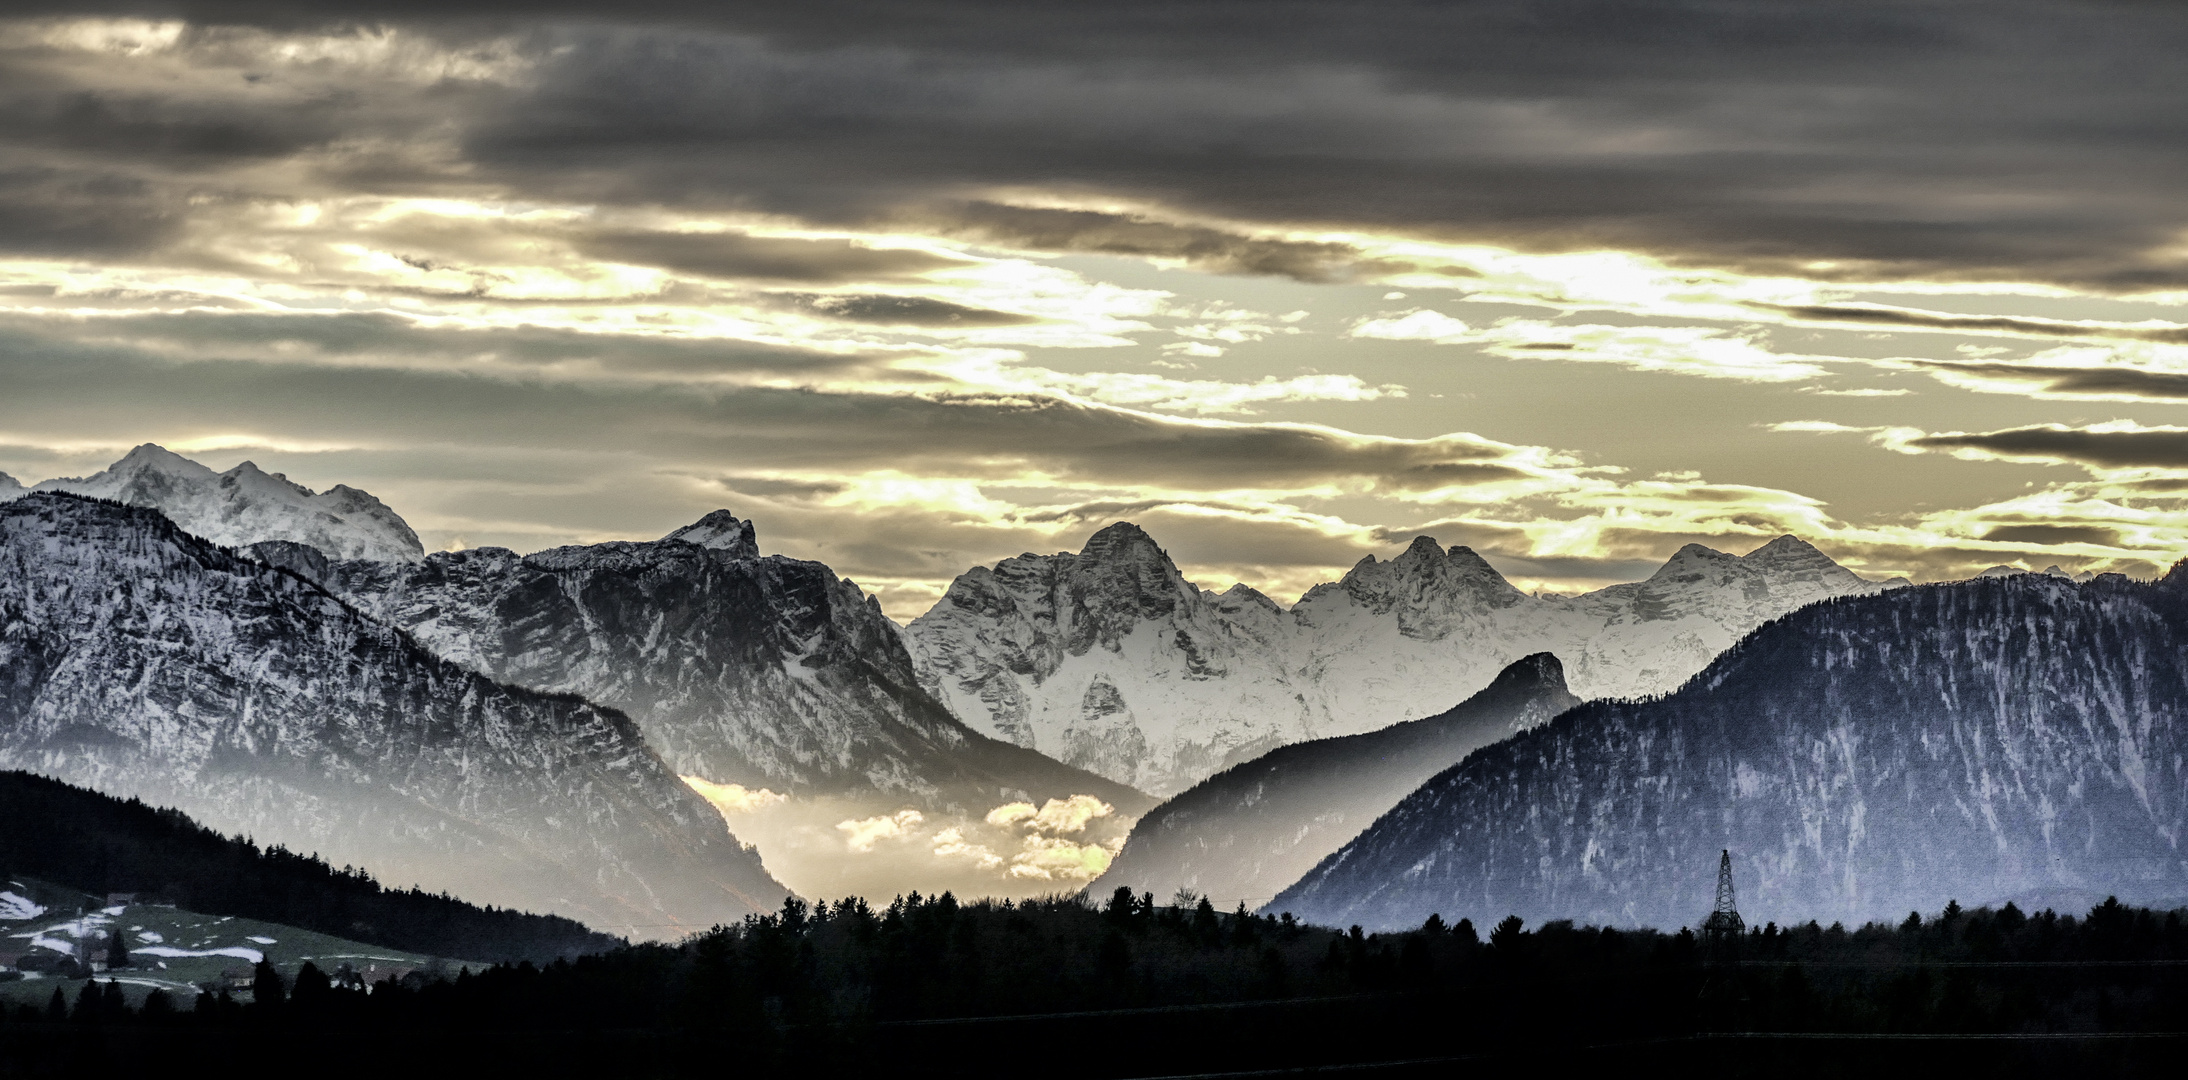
[(767, 672), (1110, 660)]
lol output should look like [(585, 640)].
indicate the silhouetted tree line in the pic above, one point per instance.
[(100, 844), (932, 986)]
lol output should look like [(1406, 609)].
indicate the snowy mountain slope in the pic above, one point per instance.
[(245, 505), (139, 660), (763, 672), (1110, 660), (10, 488), (1860, 758), (1254, 828)]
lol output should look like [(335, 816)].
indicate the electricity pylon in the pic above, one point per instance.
[(1724, 920)]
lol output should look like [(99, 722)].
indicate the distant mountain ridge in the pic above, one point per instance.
[(1249, 831), (138, 659), (244, 505), (1860, 758), (763, 671), (1110, 660)]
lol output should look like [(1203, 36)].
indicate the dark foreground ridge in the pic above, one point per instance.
[(932, 987), (102, 845)]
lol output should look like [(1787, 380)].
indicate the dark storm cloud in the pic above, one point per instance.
[(760, 487), (1213, 250), (2095, 382), (349, 336), (2055, 534), (91, 389), (2138, 448), (68, 214), (1950, 140), (736, 255), (901, 310), (1904, 318)]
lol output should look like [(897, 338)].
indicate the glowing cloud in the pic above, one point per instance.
[(863, 834), (732, 798), (1050, 858)]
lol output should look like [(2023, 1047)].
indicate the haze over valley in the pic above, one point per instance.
[(1110, 539)]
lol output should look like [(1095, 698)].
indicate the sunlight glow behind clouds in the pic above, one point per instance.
[(345, 245)]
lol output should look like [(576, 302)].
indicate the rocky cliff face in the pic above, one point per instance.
[(1860, 758), (1254, 828), (765, 672), (1111, 661), (244, 505), (140, 660)]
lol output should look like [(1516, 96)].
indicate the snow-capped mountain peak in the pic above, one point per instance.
[(246, 505), (1184, 682), (1426, 578), (721, 531), (10, 488), (1123, 560), (1790, 553)]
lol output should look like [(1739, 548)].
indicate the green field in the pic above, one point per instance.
[(157, 936)]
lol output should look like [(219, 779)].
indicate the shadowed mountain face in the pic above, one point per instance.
[(766, 672), (139, 660), (1252, 829), (1110, 660), (1860, 758)]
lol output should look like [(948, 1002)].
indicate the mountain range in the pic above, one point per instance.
[(1110, 660), (1860, 758), (244, 505), (530, 729), (1252, 829), (137, 659), (762, 671)]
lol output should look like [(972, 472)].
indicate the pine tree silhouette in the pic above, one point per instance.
[(267, 990)]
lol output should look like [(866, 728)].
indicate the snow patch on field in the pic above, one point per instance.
[(237, 951), (16, 908)]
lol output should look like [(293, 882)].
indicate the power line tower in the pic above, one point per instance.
[(1724, 920)]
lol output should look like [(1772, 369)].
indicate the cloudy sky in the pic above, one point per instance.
[(922, 285)]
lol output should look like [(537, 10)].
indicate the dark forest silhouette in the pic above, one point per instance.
[(932, 986), (100, 844)]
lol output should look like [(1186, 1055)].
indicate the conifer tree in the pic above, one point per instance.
[(1243, 931), (1121, 905), (117, 951), (312, 987), (57, 1007), (267, 989), (1205, 924)]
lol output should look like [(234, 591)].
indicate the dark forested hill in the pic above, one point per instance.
[(1254, 828), (102, 845), (1861, 757)]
